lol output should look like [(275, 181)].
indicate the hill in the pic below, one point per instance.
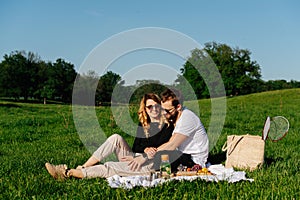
[(32, 134)]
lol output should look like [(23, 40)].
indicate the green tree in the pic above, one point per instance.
[(84, 90), (191, 78), (18, 74), (122, 93), (240, 74), (106, 86), (61, 79), (200, 74), (43, 89), (146, 86), (277, 85), (295, 84)]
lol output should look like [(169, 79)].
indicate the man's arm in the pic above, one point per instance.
[(174, 142)]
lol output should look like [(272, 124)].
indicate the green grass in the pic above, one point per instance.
[(32, 134)]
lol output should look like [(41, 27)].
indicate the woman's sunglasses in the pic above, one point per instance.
[(150, 107)]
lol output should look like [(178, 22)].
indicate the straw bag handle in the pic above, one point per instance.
[(226, 146)]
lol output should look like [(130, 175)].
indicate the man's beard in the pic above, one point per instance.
[(173, 117)]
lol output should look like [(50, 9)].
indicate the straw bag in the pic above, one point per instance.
[(244, 151)]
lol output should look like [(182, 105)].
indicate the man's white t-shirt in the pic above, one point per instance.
[(197, 143)]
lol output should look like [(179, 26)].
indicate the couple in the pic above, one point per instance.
[(165, 126)]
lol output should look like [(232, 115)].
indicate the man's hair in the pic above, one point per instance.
[(172, 94)]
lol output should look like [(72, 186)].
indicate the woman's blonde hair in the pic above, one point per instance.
[(144, 117)]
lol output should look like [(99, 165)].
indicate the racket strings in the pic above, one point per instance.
[(278, 128)]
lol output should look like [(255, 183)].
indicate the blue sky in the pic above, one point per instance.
[(72, 29)]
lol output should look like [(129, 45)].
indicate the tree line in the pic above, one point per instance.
[(240, 74), (24, 75)]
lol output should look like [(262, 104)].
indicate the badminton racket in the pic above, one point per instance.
[(279, 127)]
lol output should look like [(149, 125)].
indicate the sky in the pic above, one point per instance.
[(70, 30)]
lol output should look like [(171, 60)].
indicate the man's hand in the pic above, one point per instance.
[(126, 158), (136, 163), (150, 151)]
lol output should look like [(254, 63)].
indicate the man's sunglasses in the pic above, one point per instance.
[(150, 107), (169, 110)]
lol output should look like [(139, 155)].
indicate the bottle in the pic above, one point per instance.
[(165, 166)]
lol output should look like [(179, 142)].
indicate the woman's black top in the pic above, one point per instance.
[(156, 137)]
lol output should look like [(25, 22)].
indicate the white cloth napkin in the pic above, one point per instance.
[(220, 174)]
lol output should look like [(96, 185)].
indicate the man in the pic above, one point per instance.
[(189, 136)]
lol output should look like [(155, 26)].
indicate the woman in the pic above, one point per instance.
[(153, 131)]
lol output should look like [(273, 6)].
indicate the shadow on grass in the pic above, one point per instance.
[(270, 161), (221, 158), (9, 105), (217, 158)]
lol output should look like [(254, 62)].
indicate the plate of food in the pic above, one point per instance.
[(196, 170)]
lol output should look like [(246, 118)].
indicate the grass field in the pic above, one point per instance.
[(32, 134)]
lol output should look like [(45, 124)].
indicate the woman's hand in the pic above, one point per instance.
[(136, 163), (126, 158), (150, 151)]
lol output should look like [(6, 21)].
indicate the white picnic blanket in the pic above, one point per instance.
[(220, 174)]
